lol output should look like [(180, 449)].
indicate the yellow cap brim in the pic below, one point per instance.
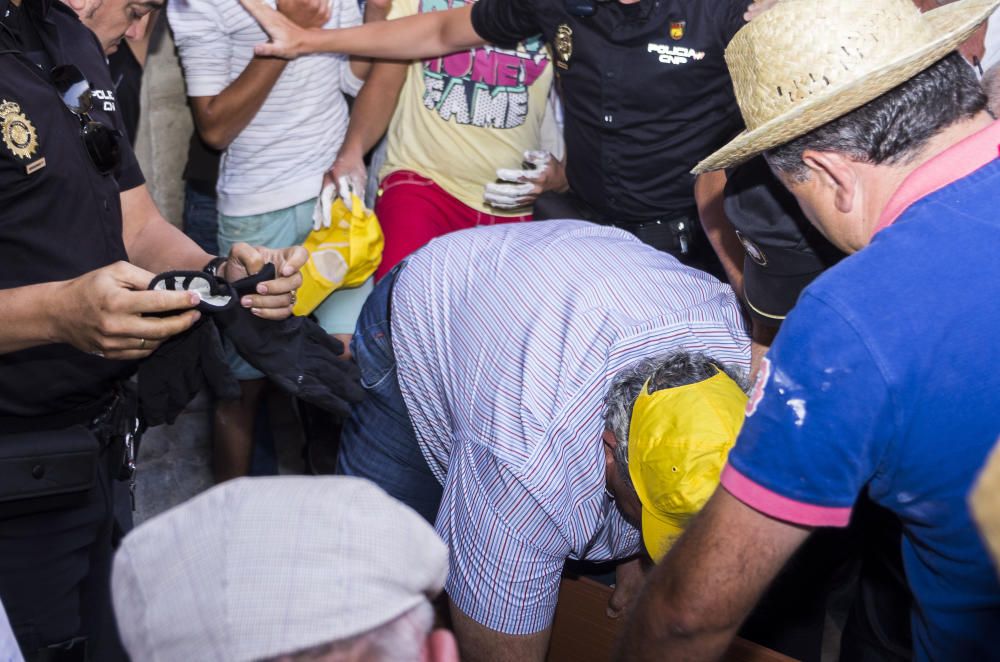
[(660, 532)]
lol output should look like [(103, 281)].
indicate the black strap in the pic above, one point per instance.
[(84, 415)]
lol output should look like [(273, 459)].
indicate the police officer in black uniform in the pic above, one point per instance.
[(74, 211), (644, 86), (646, 94)]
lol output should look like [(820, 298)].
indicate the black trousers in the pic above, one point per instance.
[(55, 577), (661, 234)]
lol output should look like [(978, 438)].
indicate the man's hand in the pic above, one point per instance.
[(350, 175), (287, 38), (103, 312), (306, 13), (520, 188), (629, 576), (377, 10), (275, 298), (699, 594), (758, 7)]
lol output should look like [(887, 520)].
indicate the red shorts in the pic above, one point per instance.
[(413, 210)]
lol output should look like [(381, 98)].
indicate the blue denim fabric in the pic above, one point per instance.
[(201, 220), (378, 441)]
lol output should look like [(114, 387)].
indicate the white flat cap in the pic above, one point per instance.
[(259, 567)]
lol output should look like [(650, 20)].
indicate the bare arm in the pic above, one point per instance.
[(221, 118), (477, 643), (411, 38), (152, 243), (98, 312), (708, 196), (696, 599), (370, 118), (375, 10), (761, 338)]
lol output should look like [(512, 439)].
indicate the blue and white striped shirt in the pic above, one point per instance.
[(507, 338)]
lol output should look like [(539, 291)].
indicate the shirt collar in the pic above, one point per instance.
[(958, 161)]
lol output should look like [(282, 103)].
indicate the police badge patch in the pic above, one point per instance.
[(753, 250), (18, 132), (564, 45), (677, 30)]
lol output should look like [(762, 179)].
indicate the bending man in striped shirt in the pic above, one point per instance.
[(486, 403)]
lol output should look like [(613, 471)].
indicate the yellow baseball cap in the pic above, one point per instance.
[(678, 442), (343, 252)]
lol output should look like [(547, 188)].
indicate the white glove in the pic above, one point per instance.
[(516, 188), (347, 187), (324, 204)]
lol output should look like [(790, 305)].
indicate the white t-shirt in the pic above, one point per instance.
[(279, 159)]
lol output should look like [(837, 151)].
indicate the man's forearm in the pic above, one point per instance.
[(696, 598), (374, 108), (28, 316), (761, 338), (162, 247), (412, 38), (153, 243), (224, 116), (708, 194)]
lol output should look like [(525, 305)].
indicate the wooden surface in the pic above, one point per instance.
[(583, 632)]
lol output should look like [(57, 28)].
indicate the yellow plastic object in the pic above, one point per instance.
[(678, 442), (344, 254)]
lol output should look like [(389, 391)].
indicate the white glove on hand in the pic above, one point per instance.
[(517, 188), (321, 213), (349, 186)]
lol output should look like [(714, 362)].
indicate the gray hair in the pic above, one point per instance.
[(400, 640), (991, 85), (676, 369)]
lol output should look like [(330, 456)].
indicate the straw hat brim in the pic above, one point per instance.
[(953, 22)]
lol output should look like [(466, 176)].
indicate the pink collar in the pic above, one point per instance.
[(959, 160)]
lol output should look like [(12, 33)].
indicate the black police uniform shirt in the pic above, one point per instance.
[(645, 89), (59, 217)]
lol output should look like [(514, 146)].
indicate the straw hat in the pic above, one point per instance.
[(805, 63)]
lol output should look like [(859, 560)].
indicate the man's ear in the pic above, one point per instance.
[(834, 171), (610, 440)]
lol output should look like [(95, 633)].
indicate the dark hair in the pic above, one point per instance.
[(894, 127)]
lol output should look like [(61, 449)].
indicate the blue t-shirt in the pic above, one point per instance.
[(886, 378)]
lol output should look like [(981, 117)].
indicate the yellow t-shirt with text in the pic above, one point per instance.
[(462, 116)]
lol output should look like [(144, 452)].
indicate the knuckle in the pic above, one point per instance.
[(106, 327)]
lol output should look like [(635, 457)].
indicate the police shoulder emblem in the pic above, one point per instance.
[(564, 45), (19, 135), (753, 250), (677, 30)]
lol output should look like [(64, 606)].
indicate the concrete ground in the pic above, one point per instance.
[(175, 460)]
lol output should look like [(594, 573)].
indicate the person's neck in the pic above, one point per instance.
[(889, 178), (16, 3)]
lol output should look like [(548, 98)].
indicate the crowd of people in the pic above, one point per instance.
[(700, 290)]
